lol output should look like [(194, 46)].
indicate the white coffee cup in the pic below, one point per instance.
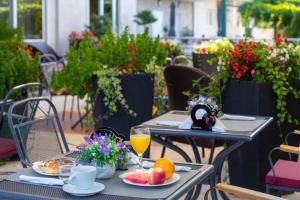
[(82, 177)]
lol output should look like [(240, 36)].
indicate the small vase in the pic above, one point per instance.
[(105, 171), (122, 166)]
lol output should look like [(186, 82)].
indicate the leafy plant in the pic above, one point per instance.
[(104, 151), (113, 56), (77, 74), (144, 18), (99, 25), (17, 66), (219, 46), (281, 15), (8, 33)]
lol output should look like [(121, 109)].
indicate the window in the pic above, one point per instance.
[(100, 8), (26, 14), (210, 17), (5, 14), (101, 15)]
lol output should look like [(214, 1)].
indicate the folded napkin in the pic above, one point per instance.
[(41, 180), (188, 122), (238, 117), (168, 123), (147, 165), (133, 159)]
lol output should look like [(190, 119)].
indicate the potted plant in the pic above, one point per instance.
[(116, 74), (205, 55), (259, 78), (104, 153)]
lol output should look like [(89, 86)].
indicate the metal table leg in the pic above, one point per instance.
[(218, 164), (172, 147)]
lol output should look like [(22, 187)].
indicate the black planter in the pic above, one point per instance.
[(249, 164), (200, 61), (138, 91)]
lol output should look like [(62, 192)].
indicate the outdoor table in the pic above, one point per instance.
[(12, 188), (237, 134)]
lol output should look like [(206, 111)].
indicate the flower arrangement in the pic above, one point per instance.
[(104, 151), (276, 62), (213, 46), (78, 36), (201, 99)]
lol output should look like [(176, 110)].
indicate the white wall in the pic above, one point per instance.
[(63, 17), (127, 9), (184, 13), (235, 28), (205, 20)]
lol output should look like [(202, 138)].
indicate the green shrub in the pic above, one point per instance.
[(16, 65)]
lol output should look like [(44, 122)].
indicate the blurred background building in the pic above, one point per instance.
[(51, 21)]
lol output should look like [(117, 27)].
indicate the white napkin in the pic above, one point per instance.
[(168, 123), (238, 117), (187, 124), (133, 159), (41, 180), (219, 126), (147, 165)]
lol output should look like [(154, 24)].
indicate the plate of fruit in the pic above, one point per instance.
[(161, 174)]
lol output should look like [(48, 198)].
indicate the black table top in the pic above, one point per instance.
[(237, 130)]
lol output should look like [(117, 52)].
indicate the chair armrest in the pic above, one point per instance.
[(245, 193), (289, 149)]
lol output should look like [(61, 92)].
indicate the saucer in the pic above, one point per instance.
[(73, 190)]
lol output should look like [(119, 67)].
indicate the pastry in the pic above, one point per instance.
[(50, 167)]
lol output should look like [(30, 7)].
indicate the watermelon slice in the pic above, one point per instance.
[(137, 177)]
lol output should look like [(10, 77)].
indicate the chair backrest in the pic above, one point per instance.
[(49, 64), (43, 48), (37, 131), (17, 93), (180, 79)]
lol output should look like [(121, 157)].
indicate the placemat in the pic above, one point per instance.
[(115, 185), (232, 125), (242, 126), (15, 190)]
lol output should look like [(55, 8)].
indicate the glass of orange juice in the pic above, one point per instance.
[(140, 140)]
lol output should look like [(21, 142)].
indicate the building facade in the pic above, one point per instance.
[(52, 21)]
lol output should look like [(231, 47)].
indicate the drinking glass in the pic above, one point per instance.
[(64, 169), (140, 140)]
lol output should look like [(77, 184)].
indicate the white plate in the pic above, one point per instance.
[(170, 181), (72, 189), (36, 168)]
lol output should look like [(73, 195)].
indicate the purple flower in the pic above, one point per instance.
[(104, 149), (191, 103), (201, 99), (120, 157), (127, 148), (120, 145), (89, 141), (98, 138)]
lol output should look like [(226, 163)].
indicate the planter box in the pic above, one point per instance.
[(138, 91), (200, 62), (249, 164)]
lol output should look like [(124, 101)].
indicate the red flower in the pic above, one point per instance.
[(130, 47), (286, 39)]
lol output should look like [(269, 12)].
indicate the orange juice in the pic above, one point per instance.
[(140, 143)]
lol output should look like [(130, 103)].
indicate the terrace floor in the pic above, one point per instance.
[(76, 137)]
